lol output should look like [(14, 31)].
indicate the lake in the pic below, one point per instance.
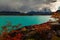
[(24, 20)]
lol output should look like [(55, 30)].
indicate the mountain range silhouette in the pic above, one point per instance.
[(29, 13)]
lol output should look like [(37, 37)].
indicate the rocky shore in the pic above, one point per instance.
[(43, 31)]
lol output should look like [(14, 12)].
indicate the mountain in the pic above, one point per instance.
[(29, 13), (45, 12), (39, 13), (19, 13)]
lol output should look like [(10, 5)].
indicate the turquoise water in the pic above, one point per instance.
[(24, 20)]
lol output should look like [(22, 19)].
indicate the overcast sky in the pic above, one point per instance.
[(28, 5)]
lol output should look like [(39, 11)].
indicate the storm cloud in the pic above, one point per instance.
[(25, 5)]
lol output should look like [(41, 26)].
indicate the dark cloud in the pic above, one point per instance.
[(24, 5)]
